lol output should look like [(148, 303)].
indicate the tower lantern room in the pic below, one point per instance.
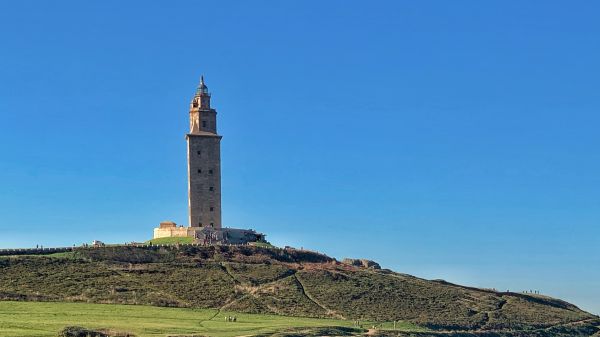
[(201, 99), (203, 118)]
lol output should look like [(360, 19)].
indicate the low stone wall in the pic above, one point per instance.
[(34, 251), (179, 232)]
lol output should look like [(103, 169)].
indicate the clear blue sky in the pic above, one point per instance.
[(454, 140)]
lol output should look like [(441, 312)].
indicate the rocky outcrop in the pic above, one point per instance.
[(363, 263)]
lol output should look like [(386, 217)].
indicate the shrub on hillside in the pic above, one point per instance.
[(77, 331), (128, 254)]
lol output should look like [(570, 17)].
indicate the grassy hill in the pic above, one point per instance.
[(23, 319), (263, 280), (170, 241)]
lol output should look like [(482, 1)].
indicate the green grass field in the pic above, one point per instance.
[(170, 241), (45, 319)]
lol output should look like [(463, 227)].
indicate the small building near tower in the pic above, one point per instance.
[(204, 181), (169, 229)]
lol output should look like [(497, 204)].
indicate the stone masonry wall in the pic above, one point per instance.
[(170, 232), (204, 176)]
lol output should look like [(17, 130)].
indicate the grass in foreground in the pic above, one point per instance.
[(45, 319)]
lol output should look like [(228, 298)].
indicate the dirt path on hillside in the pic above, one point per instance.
[(314, 300)]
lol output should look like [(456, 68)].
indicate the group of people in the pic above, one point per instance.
[(230, 319)]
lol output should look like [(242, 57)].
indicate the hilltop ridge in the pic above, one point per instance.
[(285, 282)]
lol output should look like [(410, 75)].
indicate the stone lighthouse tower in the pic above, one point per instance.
[(204, 162)]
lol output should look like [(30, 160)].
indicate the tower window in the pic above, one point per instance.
[(211, 188), (199, 152), (199, 171), (212, 224), (203, 124), (200, 224), (212, 209), (210, 171)]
